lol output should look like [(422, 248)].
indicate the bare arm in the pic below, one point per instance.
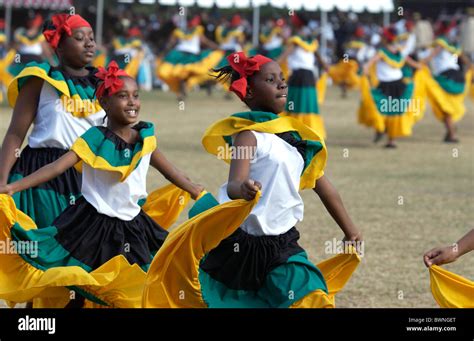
[(173, 174), (208, 43), (413, 63), (42, 175), (433, 54), (23, 115), (239, 185), (333, 203), (465, 59), (321, 61), (371, 62), (285, 54)]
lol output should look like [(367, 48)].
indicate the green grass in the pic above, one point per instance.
[(437, 190)]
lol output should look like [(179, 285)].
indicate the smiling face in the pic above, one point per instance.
[(267, 89), (77, 50), (123, 107)]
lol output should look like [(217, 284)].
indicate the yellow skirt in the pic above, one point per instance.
[(173, 278), (321, 85), (394, 125), (116, 283), (345, 73), (444, 103), (193, 74)]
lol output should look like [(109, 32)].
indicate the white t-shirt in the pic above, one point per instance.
[(277, 166), (56, 128)]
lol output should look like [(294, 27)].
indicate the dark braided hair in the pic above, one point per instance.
[(225, 74)]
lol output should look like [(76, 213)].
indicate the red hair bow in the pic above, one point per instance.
[(245, 67), (111, 81), (63, 24)]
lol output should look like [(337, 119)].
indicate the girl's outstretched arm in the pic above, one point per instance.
[(282, 58), (173, 174), (448, 254), (43, 174), (333, 203), (371, 62)]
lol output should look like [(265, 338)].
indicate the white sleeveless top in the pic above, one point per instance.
[(56, 128), (301, 59), (277, 166), (192, 45), (387, 73), (443, 61), (231, 44), (103, 190), (275, 42)]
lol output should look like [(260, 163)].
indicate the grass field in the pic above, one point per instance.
[(434, 181)]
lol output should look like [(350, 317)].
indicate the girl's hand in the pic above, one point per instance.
[(354, 237), (6, 189), (197, 191), (440, 255), (249, 189)]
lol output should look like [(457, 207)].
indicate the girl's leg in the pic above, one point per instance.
[(390, 143), (343, 90), (450, 130), (76, 302), (182, 90), (378, 136)]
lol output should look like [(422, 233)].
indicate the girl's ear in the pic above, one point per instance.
[(104, 103), (249, 94)]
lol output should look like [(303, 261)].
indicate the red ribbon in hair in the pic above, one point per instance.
[(63, 24), (111, 83), (245, 67), (389, 34)]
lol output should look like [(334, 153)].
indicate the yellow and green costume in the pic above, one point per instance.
[(102, 258), (180, 276), (193, 68), (387, 112), (302, 101), (446, 91)]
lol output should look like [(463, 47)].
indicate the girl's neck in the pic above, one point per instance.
[(125, 132), (74, 71), (257, 108)]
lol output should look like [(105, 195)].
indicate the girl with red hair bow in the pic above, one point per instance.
[(100, 247), (59, 102), (259, 264)]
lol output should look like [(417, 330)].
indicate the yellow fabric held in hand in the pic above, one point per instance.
[(165, 204), (336, 272), (451, 290), (172, 280)]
